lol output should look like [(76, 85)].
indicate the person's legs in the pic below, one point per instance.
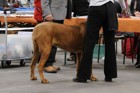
[(49, 63), (137, 64), (110, 69), (97, 18), (90, 39)]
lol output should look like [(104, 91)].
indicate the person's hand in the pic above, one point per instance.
[(125, 14), (49, 18), (137, 14)]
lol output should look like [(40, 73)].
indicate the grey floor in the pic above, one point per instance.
[(16, 79)]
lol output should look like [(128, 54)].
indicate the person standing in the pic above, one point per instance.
[(137, 64), (3, 3), (79, 8), (134, 7), (102, 13), (120, 6), (30, 3), (55, 11), (3, 6)]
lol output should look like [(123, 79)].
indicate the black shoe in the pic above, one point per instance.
[(108, 79), (137, 65), (80, 80), (71, 58)]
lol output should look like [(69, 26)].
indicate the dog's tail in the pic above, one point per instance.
[(35, 57)]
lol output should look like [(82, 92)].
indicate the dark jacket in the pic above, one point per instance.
[(132, 6), (118, 7), (80, 7)]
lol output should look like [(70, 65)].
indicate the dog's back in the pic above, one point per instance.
[(69, 38)]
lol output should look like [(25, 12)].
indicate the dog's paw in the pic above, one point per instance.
[(44, 81), (33, 78), (93, 78)]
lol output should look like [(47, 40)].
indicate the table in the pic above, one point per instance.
[(125, 24), (19, 18)]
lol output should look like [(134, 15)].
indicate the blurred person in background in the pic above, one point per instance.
[(137, 64), (134, 7), (79, 8), (120, 6), (3, 5), (38, 16), (135, 11), (55, 11), (30, 3)]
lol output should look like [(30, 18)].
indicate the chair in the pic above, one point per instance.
[(65, 58), (124, 37), (100, 47)]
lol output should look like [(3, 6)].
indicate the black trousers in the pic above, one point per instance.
[(97, 18), (138, 51), (51, 58)]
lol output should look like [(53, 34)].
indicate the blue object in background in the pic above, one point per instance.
[(24, 9), (1, 8), (102, 51)]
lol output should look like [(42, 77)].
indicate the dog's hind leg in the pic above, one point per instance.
[(33, 62), (45, 51), (93, 78)]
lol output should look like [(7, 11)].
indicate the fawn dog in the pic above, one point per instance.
[(66, 37)]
